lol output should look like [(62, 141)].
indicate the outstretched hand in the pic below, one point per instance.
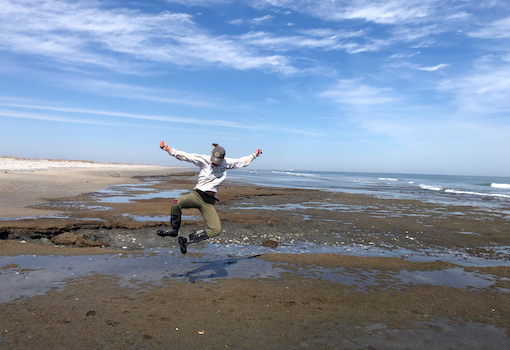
[(164, 146), (258, 152)]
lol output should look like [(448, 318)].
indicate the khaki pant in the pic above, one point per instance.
[(194, 200)]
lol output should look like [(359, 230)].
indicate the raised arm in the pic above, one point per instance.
[(197, 159), (243, 161)]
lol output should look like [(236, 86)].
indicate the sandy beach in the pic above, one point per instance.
[(292, 269)]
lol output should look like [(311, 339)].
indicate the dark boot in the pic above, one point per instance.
[(175, 224), (198, 236), (183, 244), (193, 238)]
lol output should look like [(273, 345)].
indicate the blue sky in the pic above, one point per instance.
[(408, 86)]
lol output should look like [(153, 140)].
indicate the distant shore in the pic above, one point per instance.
[(28, 182), (8, 163)]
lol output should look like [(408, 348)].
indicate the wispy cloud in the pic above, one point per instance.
[(406, 64), (201, 2), (434, 68), (383, 12), (74, 115), (496, 30), (144, 93), (161, 118), (404, 55), (319, 39), (53, 118), (259, 20), (86, 33), (355, 92), (253, 21), (484, 89), (418, 33), (89, 33), (236, 22)]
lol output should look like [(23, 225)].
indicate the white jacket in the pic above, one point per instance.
[(210, 177)]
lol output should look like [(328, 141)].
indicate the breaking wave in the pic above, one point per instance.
[(478, 194), (503, 186), (431, 187), (297, 174)]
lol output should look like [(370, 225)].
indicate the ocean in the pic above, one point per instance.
[(484, 192)]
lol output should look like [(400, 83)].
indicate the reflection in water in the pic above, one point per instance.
[(217, 267)]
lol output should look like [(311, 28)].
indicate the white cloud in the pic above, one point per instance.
[(434, 68), (459, 15), (496, 30), (253, 21), (384, 12), (416, 33), (324, 39), (130, 91), (75, 115), (53, 118), (419, 21), (236, 22), (403, 55), (259, 20), (201, 2), (405, 64), (354, 92), (388, 12), (485, 89), (71, 111), (85, 33)]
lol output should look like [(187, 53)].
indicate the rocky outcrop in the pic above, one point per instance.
[(78, 240)]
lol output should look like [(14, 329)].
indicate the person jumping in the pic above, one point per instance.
[(213, 171)]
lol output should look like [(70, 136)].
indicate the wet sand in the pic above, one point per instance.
[(292, 269)]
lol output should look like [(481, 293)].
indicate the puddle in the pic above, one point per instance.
[(499, 257), (30, 275), (33, 217), (141, 218), (304, 206), (126, 193), (82, 206), (454, 277), (120, 194)]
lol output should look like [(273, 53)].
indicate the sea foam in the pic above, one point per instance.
[(478, 194), (504, 186), (431, 187)]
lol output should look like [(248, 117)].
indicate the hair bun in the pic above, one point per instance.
[(215, 145)]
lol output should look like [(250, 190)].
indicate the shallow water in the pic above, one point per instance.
[(486, 192), (146, 218), (29, 275), (128, 193)]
